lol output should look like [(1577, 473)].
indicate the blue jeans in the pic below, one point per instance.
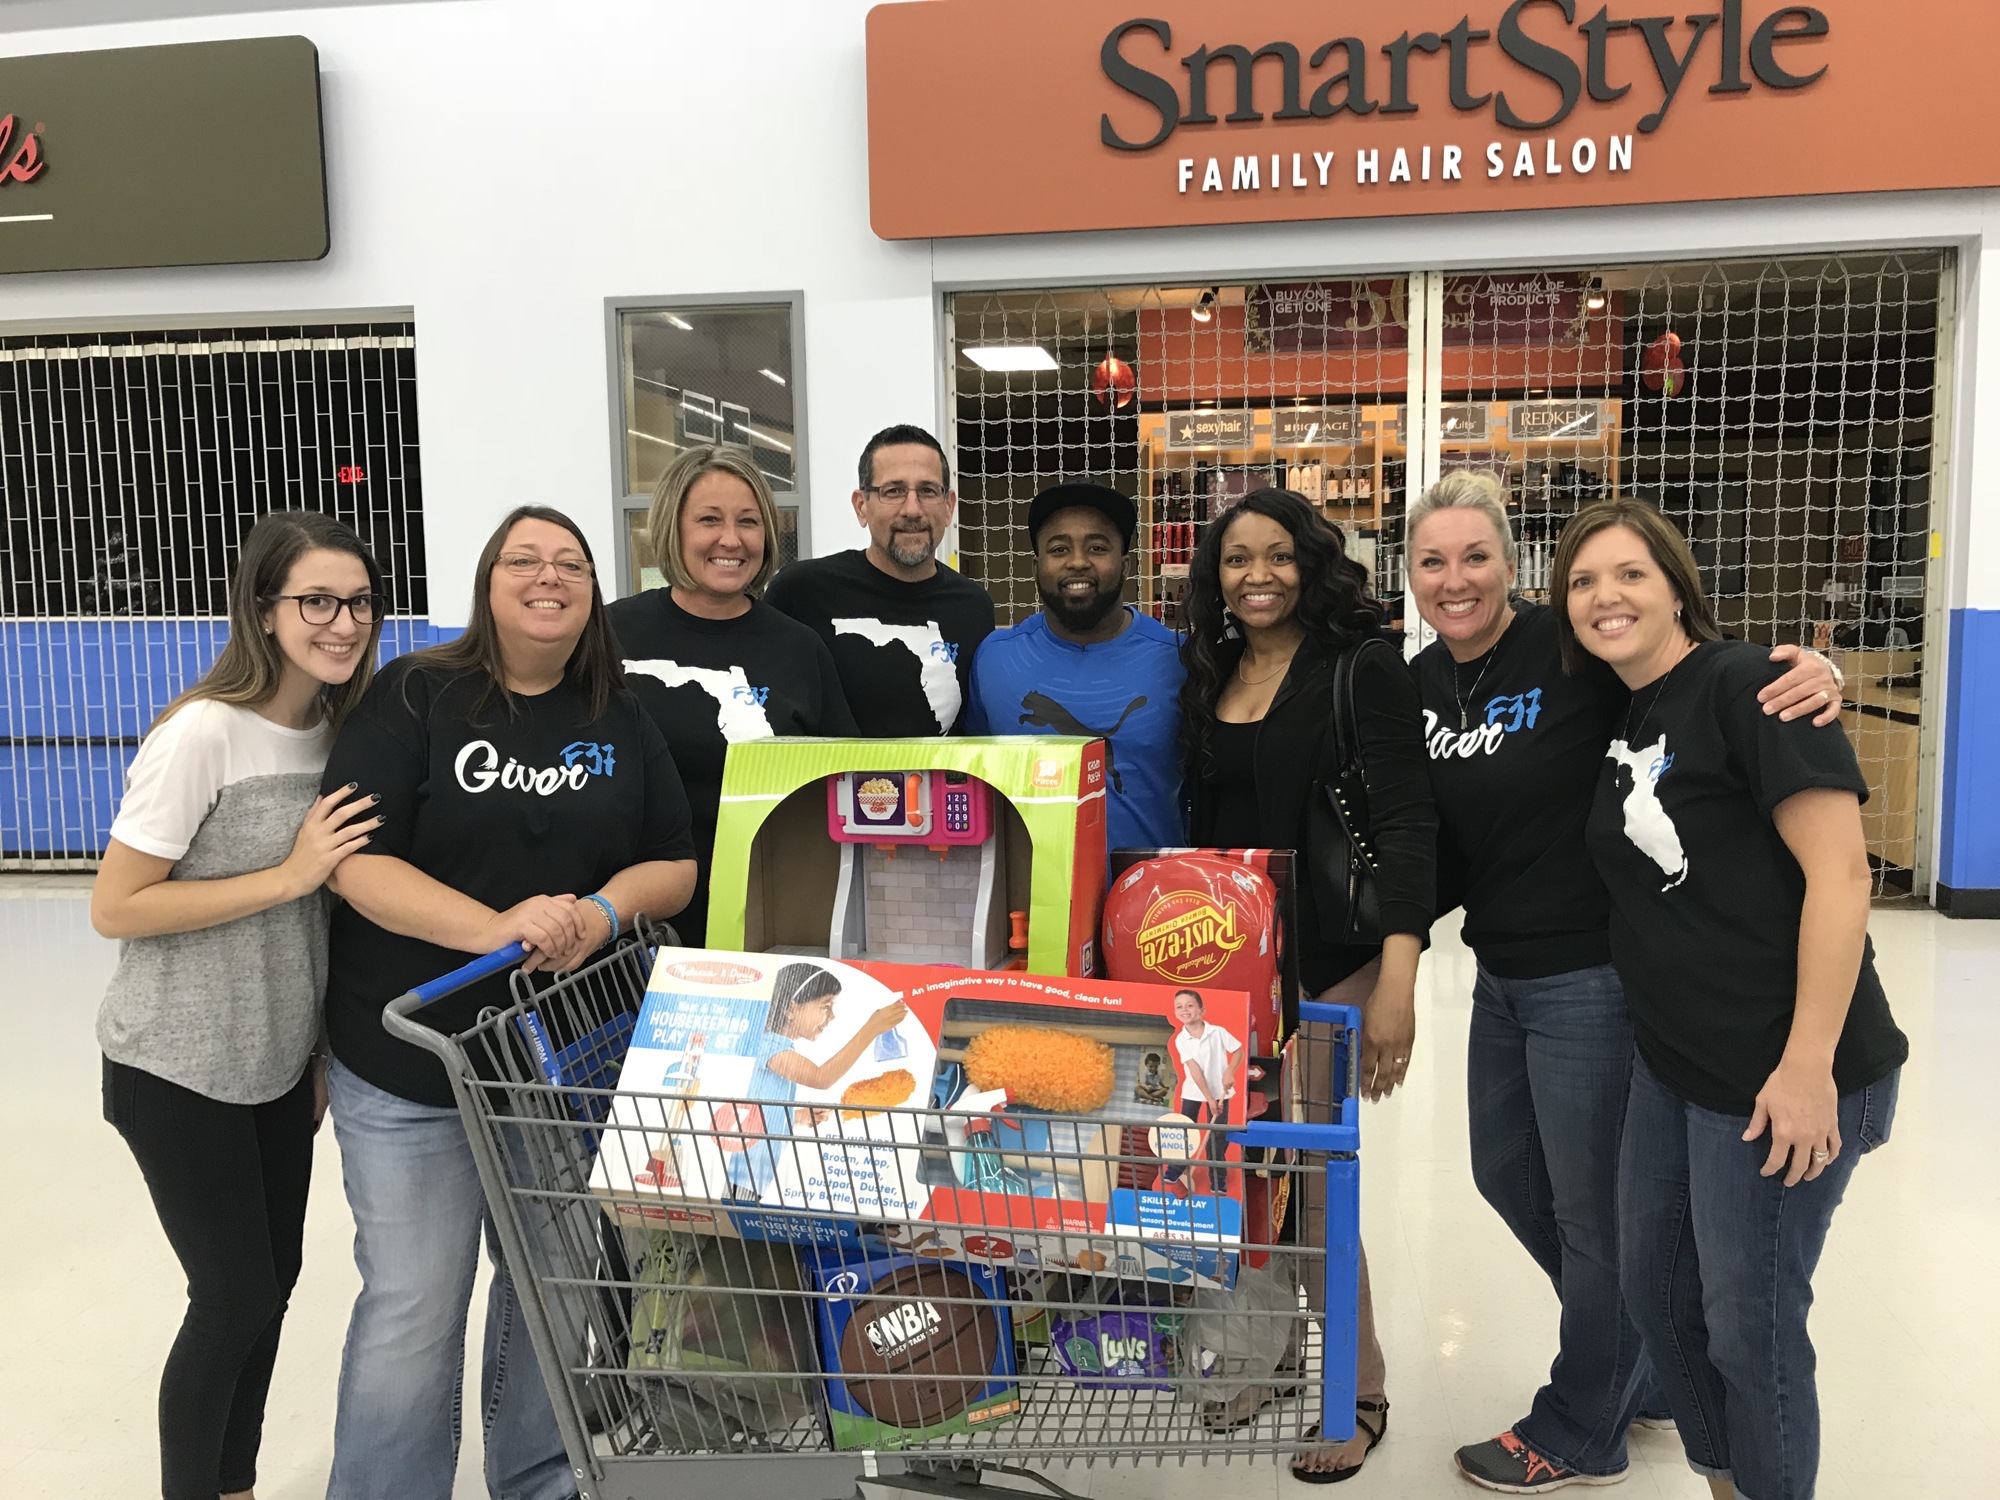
[(418, 1213), (1718, 1265), (1548, 1069)]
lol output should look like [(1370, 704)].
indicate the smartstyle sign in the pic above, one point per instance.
[(203, 154), (1066, 116)]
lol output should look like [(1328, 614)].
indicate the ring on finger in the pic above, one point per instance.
[(1821, 1155)]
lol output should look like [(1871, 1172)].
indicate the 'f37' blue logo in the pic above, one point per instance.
[(1516, 713), (595, 759)]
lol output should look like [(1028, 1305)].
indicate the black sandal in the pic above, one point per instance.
[(1374, 1434)]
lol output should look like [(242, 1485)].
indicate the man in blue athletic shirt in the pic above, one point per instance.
[(1090, 665)]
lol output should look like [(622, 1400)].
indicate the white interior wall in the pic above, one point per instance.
[(501, 168)]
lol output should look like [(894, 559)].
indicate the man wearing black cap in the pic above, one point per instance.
[(1090, 665)]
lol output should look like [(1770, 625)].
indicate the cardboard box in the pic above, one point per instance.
[(906, 1320), (1207, 916), (781, 882), (841, 1105)]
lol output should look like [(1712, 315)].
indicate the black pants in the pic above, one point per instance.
[(229, 1182)]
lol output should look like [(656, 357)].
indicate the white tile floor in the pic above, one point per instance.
[(1908, 1321)]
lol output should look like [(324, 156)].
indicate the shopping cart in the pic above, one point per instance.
[(694, 1365)]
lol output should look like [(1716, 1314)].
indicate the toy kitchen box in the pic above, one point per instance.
[(981, 853), (991, 1117)]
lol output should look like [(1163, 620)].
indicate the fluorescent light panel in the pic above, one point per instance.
[(1010, 358)]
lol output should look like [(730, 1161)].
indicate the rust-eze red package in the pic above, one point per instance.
[(1207, 916), (955, 1114)]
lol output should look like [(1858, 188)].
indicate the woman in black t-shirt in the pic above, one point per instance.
[(526, 797), (1515, 744), (711, 663), (1731, 845), (1273, 602)]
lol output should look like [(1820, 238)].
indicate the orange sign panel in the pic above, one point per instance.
[(1023, 116)]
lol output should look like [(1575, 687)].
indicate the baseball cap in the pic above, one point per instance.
[(1107, 502)]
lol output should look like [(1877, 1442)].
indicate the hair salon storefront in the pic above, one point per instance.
[(1730, 262)]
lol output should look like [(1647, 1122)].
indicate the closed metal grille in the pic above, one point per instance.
[(131, 465), (1782, 412)]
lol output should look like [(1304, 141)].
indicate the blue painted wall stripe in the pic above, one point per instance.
[(77, 680), (1969, 851)]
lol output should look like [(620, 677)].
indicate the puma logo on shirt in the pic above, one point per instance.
[(937, 660), (1043, 712), (739, 707), (1646, 822)]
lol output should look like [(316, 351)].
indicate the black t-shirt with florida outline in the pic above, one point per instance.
[(1514, 787), (498, 806), (904, 650), (711, 683), (1705, 897)]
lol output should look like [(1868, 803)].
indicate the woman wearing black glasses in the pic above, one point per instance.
[(213, 883), (527, 797)]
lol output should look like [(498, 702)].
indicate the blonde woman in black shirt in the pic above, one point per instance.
[(1730, 842)]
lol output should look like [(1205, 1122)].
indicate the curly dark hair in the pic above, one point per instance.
[(1337, 606)]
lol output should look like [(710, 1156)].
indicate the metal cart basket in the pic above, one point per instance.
[(689, 1363)]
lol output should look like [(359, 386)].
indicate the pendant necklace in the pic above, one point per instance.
[(1658, 689), (1465, 698)]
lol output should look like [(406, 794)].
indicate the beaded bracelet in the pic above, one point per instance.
[(610, 912)]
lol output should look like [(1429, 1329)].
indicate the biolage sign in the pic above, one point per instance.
[(1062, 116)]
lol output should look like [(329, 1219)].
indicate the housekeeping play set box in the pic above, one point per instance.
[(960, 1115)]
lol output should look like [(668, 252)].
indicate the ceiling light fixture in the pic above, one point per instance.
[(1010, 358), (772, 375), (1595, 302), (681, 323), (1203, 310)]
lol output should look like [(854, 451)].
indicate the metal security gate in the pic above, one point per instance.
[(131, 464), (1783, 412)]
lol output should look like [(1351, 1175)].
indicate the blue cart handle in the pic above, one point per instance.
[(480, 968)]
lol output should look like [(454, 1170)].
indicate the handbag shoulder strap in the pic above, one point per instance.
[(1346, 728)]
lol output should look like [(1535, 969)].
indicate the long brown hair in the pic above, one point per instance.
[(1670, 555), (594, 665), (251, 665)]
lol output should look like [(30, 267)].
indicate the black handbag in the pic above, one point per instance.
[(1343, 857)]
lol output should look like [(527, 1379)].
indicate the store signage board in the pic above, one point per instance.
[(1315, 426), (208, 153), (1209, 429), (1075, 117), (1555, 421), (1529, 307), (1458, 422)]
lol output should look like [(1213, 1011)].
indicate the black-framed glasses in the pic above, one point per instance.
[(527, 565), (896, 492), (324, 609)]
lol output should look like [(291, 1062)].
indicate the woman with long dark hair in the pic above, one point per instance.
[(213, 882), (527, 797), (1767, 1060), (1279, 618)]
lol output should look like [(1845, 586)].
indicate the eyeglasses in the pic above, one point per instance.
[(897, 492), (527, 565), (324, 609)]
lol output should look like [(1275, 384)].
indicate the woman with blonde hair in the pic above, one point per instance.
[(1514, 745), (213, 882), (713, 663), (1767, 1061)]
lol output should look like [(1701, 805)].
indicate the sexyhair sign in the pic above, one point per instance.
[(1013, 116)]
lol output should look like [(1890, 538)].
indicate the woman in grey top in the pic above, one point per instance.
[(214, 884)]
